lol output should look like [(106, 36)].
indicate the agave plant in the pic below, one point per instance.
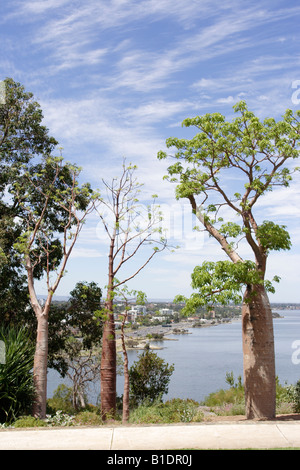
[(16, 380)]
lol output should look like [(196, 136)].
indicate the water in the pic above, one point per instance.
[(203, 358)]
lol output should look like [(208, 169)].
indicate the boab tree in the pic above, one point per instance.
[(132, 229), (52, 210), (226, 168)]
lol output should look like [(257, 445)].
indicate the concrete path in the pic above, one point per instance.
[(225, 435)]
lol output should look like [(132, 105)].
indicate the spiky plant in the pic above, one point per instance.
[(16, 380)]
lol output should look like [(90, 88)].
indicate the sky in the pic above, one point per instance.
[(116, 78)]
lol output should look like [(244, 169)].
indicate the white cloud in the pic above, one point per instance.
[(115, 78)]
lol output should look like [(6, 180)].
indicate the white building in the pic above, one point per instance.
[(139, 309), (166, 311)]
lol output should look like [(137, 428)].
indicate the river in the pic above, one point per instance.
[(203, 357)]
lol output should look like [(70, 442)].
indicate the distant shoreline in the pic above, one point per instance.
[(137, 339), (139, 336)]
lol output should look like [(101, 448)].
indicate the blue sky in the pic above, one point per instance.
[(115, 79)]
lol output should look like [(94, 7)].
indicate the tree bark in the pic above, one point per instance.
[(125, 417), (108, 365), (258, 354), (40, 367)]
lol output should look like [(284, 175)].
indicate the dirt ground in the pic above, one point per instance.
[(240, 418)]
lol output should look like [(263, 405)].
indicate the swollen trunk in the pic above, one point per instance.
[(259, 356)]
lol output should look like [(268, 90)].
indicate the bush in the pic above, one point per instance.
[(149, 377), (293, 395), (172, 411), (228, 402), (61, 400), (28, 422), (87, 418), (231, 396), (59, 419), (16, 379)]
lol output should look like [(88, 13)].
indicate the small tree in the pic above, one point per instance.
[(53, 208), (225, 169), (130, 227), (83, 369), (84, 303), (140, 297), (75, 316), (149, 377)]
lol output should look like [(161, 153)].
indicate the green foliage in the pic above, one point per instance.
[(221, 282), (273, 236), (16, 381), (176, 410), (29, 422), (228, 401), (149, 377), (59, 419), (293, 395), (88, 418), (22, 137), (61, 400), (254, 154), (84, 302), (230, 229)]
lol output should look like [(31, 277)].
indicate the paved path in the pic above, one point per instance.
[(225, 435)]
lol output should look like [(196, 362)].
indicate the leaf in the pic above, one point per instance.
[(273, 237)]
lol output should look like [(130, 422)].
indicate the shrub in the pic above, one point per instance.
[(172, 411), (149, 377), (16, 379), (61, 400), (28, 422), (87, 418), (231, 396), (228, 402), (293, 394), (59, 419)]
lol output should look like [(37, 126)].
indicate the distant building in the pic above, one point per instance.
[(160, 319), (166, 311), (139, 309)]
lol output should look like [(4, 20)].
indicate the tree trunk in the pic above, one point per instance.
[(40, 367), (108, 366), (259, 356), (125, 417)]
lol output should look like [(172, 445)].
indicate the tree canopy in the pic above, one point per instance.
[(223, 171)]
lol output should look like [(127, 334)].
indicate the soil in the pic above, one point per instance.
[(240, 418)]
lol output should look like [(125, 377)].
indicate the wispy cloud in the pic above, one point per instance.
[(115, 78)]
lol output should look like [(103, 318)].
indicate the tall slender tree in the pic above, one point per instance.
[(22, 138), (225, 169), (140, 298), (53, 208), (131, 228)]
